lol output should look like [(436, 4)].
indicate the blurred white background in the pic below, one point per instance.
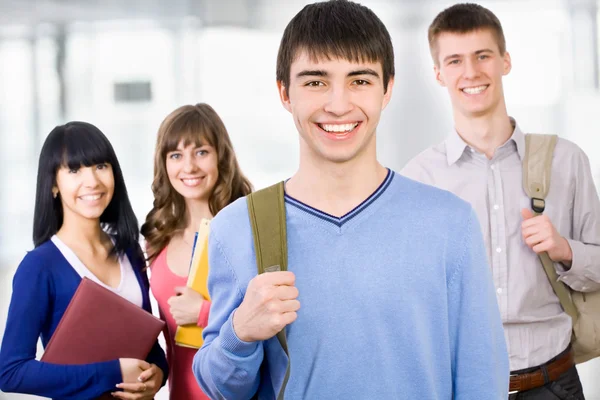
[(123, 65)]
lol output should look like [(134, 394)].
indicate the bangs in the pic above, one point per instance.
[(189, 128), (85, 150), (82, 144), (336, 30), (321, 44), (341, 45)]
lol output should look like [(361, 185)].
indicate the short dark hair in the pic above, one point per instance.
[(464, 18), (339, 29), (73, 145)]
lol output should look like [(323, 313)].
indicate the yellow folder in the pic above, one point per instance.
[(191, 335)]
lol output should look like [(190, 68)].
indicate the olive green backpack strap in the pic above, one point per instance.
[(537, 168), (266, 209)]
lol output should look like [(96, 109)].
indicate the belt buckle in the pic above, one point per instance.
[(513, 391)]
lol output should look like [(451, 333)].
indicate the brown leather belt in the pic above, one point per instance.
[(532, 380)]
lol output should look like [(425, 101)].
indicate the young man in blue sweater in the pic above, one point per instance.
[(396, 294)]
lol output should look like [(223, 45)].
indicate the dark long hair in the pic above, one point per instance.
[(199, 124), (73, 145)]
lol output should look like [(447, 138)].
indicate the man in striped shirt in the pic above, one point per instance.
[(481, 161)]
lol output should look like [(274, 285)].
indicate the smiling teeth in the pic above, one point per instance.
[(91, 197), (191, 182), (475, 90), (339, 128)]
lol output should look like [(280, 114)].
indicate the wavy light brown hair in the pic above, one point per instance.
[(200, 125)]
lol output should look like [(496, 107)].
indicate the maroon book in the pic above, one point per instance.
[(99, 325)]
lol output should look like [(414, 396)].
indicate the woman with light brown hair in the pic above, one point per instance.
[(196, 174)]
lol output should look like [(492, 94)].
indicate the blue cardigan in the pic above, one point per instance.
[(42, 289)]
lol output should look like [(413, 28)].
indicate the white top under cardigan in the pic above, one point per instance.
[(129, 287)]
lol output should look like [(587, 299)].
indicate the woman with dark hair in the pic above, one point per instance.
[(84, 226), (196, 174)]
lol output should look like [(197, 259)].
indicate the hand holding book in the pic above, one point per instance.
[(191, 335), (185, 306), (99, 325), (132, 368), (144, 379)]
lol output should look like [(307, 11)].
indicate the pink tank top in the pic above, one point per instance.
[(182, 383)]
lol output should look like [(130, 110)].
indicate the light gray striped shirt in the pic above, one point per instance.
[(535, 326)]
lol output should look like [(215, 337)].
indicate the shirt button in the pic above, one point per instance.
[(584, 288), (498, 250), (492, 166), (499, 290), (496, 206)]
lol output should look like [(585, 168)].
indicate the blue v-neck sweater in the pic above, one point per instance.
[(397, 302), (43, 286)]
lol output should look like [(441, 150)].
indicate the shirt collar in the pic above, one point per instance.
[(455, 145), (519, 138)]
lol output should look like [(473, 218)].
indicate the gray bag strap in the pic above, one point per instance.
[(537, 168), (266, 209)]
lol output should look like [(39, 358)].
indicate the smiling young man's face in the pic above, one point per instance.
[(471, 67), (336, 105)]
